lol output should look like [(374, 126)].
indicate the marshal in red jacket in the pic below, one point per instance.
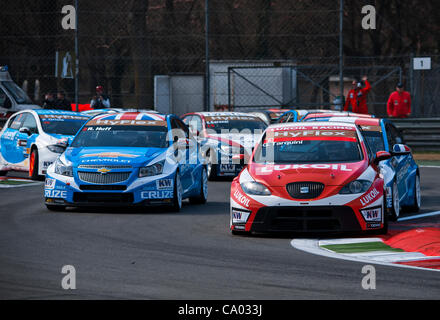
[(399, 104), (357, 99)]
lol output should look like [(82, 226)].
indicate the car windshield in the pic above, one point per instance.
[(16, 92), (140, 136), (308, 149), (62, 124), (374, 140), (221, 123)]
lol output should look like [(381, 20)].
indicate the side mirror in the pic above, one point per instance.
[(400, 150), (25, 130), (64, 143), (380, 156)]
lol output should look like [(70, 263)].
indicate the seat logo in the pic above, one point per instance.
[(304, 190)]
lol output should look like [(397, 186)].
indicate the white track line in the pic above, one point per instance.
[(429, 166), (418, 216), (312, 246)]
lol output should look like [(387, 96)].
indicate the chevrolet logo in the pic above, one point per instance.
[(103, 170)]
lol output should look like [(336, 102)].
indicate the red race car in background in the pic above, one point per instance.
[(304, 177)]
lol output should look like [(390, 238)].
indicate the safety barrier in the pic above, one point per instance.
[(420, 133)]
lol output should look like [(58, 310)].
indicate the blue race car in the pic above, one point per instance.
[(128, 159), (29, 140), (401, 173)]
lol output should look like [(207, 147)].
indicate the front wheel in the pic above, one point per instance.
[(201, 199), (33, 165), (211, 166), (395, 209), (177, 194), (417, 196)]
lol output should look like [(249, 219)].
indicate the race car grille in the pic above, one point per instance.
[(102, 187), (305, 190), (306, 219), (98, 197), (108, 178)]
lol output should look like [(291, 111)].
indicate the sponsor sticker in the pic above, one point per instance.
[(241, 199), (116, 122), (162, 194), (49, 183), (369, 197), (47, 163), (227, 167), (164, 184), (372, 214), (55, 194), (239, 216)]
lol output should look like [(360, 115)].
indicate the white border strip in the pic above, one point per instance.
[(428, 166), (312, 246), (418, 216)]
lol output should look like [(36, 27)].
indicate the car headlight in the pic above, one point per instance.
[(63, 169), (56, 148), (255, 188), (357, 186), (152, 170)]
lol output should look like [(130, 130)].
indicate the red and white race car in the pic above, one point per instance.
[(303, 177)]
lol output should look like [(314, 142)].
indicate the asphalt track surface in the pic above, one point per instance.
[(120, 254)]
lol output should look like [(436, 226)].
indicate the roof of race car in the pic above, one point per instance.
[(131, 116), (359, 121), (335, 114), (56, 112), (289, 125), (223, 113)]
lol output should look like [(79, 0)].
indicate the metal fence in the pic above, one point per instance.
[(124, 44)]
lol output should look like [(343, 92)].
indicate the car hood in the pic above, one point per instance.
[(135, 157), (242, 139), (337, 174)]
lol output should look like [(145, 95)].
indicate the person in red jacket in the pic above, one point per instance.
[(399, 103), (357, 97)]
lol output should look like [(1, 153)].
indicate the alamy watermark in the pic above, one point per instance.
[(369, 20), (369, 280)]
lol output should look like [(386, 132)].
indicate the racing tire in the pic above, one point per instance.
[(177, 195), (52, 207), (417, 196), (395, 209), (33, 166), (201, 199), (211, 167)]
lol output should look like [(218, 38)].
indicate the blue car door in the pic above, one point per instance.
[(401, 163), (12, 154), (186, 166), (25, 139)]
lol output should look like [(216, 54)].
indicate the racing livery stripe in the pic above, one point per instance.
[(309, 138)]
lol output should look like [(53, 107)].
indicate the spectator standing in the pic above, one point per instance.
[(62, 103), (100, 100), (49, 101), (399, 103), (357, 97)]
